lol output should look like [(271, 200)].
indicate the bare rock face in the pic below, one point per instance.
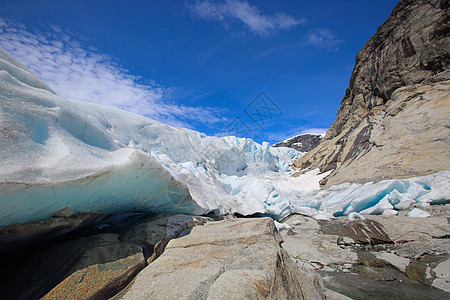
[(393, 121), (303, 142), (104, 267), (154, 235), (87, 268), (231, 259), (411, 46)]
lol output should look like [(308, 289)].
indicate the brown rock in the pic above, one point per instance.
[(97, 266), (102, 270), (92, 267)]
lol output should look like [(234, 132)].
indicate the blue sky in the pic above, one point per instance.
[(261, 69)]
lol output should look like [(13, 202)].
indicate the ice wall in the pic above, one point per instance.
[(385, 197), (58, 152)]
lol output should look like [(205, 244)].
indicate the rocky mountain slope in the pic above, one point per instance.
[(302, 142), (393, 120)]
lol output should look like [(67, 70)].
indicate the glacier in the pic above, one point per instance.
[(57, 152)]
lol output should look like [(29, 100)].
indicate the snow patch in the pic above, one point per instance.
[(280, 226), (418, 213), (295, 136)]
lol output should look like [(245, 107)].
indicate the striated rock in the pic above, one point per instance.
[(393, 121), (409, 47), (360, 231), (303, 142), (231, 259), (402, 229)]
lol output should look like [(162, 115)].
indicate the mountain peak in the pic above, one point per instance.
[(303, 142)]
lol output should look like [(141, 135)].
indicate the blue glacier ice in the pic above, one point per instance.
[(384, 197), (57, 152)]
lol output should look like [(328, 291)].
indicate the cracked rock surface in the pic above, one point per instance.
[(396, 255), (230, 259)]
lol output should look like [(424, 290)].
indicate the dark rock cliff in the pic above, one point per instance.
[(410, 46), (303, 142)]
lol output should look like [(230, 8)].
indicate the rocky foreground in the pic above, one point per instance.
[(379, 257), (230, 259), (138, 256)]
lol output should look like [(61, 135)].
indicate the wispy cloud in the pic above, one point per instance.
[(248, 15), (270, 51), (80, 72), (323, 38)]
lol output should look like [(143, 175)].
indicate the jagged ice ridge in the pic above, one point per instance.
[(58, 152)]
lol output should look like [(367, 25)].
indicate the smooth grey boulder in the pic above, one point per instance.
[(230, 259)]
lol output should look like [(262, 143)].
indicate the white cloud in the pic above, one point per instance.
[(250, 16), (323, 38), (75, 72), (314, 130)]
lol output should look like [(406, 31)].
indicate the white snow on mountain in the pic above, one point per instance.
[(58, 152), (296, 136)]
